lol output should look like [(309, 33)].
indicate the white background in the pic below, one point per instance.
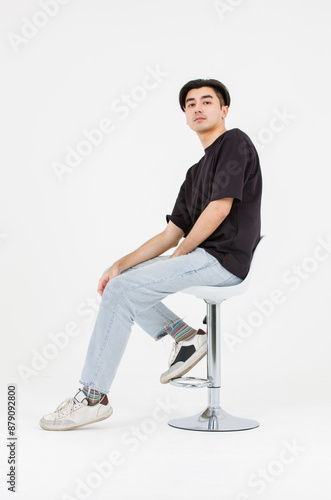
[(58, 235)]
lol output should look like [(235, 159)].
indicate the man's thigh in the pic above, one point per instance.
[(160, 258), (171, 275)]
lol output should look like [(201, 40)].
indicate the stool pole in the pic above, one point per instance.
[(214, 354), (213, 418)]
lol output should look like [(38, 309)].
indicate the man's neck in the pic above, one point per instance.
[(207, 138)]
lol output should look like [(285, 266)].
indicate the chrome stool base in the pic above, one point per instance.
[(213, 419)]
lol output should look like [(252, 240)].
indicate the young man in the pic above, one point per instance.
[(217, 211)]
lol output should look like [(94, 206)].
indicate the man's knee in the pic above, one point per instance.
[(118, 285)]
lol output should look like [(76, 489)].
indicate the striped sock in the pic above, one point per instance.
[(93, 397), (181, 331)]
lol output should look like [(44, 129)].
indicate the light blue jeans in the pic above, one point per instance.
[(135, 296)]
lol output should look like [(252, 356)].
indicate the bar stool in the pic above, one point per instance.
[(214, 418)]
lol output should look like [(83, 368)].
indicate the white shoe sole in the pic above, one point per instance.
[(185, 367), (47, 427)]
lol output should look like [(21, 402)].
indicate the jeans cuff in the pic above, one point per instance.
[(163, 332), (92, 386)]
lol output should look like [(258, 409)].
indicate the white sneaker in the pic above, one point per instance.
[(75, 412), (184, 355)]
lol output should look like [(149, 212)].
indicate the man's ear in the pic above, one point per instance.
[(225, 110)]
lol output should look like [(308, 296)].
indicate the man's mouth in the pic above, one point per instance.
[(199, 118)]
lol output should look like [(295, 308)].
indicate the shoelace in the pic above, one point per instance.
[(66, 407), (174, 351)]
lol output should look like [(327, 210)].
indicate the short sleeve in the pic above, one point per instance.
[(232, 170), (180, 215)]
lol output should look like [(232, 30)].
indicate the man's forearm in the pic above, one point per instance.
[(205, 225), (152, 248)]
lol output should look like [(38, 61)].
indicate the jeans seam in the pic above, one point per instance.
[(101, 349), (170, 279)]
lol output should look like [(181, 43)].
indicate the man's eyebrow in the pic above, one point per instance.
[(202, 97)]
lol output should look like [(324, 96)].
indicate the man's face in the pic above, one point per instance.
[(203, 110)]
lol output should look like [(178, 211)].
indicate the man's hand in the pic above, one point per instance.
[(110, 274), (174, 255)]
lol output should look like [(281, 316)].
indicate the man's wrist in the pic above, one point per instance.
[(119, 265)]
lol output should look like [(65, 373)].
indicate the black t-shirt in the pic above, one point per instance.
[(230, 168)]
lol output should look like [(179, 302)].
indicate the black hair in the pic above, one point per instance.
[(220, 90)]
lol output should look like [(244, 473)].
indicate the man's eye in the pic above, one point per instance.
[(207, 102)]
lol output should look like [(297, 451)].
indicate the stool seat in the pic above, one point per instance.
[(216, 294), (214, 418)]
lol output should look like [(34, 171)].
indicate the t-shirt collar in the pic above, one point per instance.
[(216, 141)]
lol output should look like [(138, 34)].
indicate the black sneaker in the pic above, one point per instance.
[(184, 355)]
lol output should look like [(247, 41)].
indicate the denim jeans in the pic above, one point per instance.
[(135, 296)]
